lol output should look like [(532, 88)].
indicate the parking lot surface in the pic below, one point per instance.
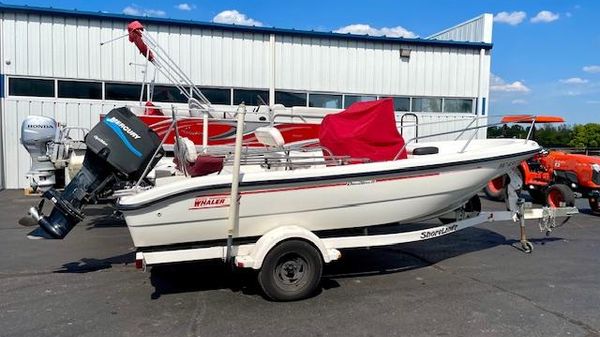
[(469, 283)]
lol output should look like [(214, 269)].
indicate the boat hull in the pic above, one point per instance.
[(353, 198)]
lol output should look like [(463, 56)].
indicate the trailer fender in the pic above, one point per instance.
[(266, 242)]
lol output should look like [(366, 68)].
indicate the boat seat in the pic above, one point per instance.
[(269, 136), (198, 165), (420, 151), (188, 149)]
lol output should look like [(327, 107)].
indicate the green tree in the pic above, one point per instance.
[(586, 136)]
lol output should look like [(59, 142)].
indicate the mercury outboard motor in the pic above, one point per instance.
[(118, 149), (37, 133)]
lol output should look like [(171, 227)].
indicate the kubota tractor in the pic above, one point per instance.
[(553, 177)]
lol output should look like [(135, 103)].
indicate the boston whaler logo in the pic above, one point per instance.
[(127, 129), (211, 202), (428, 234)]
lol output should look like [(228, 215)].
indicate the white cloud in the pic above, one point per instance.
[(138, 11), (512, 18), (130, 10), (593, 69), (519, 101), (184, 6), (499, 85), (574, 80), (364, 29), (568, 14), (234, 17), (545, 16)]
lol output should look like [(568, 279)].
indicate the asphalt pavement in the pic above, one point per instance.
[(469, 283)]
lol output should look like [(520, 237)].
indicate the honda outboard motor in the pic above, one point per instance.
[(37, 133), (118, 149)]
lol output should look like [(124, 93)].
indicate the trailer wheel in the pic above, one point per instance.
[(494, 189), (537, 196), (594, 204), (291, 271), (559, 193)]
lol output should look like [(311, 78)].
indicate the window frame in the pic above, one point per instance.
[(266, 99), (305, 93), (144, 97), (11, 78), (472, 100), (325, 94), (58, 81), (228, 89)]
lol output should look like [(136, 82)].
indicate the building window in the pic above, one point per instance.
[(427, 104), (123, 92), (217, 96), (30, 87), (458, 105), (169, 94), (290, 99), (325, 101), (250, 97), (79, 89), (351, 99), (401, 103)]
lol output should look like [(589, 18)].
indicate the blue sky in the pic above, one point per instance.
[(546, 62)]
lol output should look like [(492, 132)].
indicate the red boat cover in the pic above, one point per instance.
[(135, 29), (364, 130)]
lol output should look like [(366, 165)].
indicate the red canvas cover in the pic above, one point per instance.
[(364, 130)]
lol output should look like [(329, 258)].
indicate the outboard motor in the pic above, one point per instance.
[(119, 148), (37, 134)]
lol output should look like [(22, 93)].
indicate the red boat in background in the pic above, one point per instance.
[(222, 131)]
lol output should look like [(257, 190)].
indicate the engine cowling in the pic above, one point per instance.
[(37, 133), (119, 148)]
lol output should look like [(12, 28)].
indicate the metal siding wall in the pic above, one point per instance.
[(369, 68), (2, 150), (475, 30)]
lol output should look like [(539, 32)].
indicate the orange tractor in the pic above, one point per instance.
[(553, 177)]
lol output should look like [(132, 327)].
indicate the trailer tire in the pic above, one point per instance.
[(559, 193), (291, 271), (494, 189)]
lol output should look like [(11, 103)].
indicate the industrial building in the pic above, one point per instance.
[(52, 64)]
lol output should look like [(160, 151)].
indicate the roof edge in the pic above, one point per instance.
[(241, 28)]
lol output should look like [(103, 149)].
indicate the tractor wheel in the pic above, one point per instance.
[(538, 196), (594, 205), (559, 193), (494, 189)]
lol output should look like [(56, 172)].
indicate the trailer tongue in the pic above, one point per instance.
[(118, 150)]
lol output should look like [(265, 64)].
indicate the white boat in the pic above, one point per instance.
[(289, 208), (194, 211)]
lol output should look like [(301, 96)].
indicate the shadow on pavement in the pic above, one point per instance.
[(106, 221), (86, 265), (363, 262)]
